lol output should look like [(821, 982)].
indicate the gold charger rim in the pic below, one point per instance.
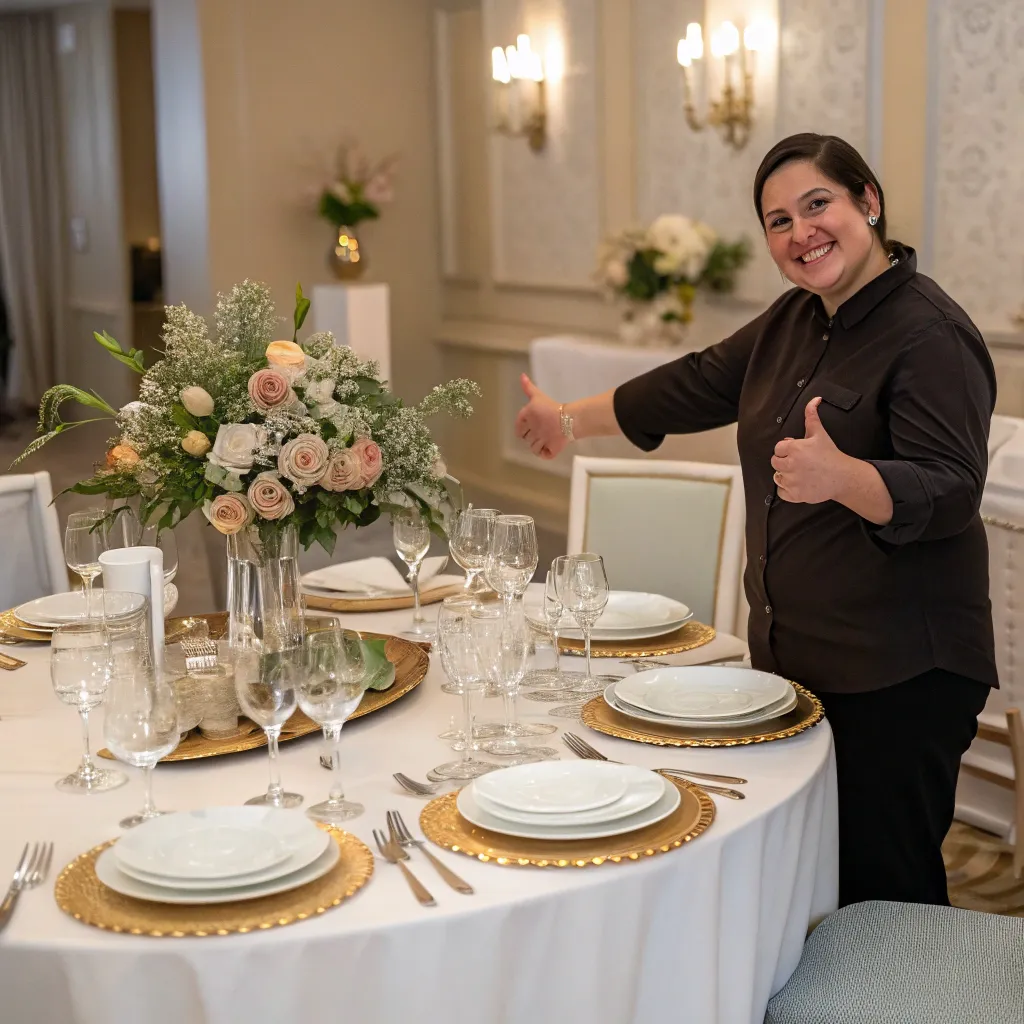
[(688, 637), (378, 604), (80, 894), (597, 715), (442, 824), (12, 625)]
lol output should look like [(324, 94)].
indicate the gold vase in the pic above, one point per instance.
[(346, 256)]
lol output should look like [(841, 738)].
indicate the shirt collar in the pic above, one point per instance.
[(857, 307)]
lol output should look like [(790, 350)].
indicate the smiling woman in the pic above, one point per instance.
[(863, 398)]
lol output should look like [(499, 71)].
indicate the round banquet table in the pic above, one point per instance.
[(704, 933)]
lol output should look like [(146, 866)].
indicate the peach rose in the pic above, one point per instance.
[(287, 358), (196, 443), (269, 497), (270, 389), (229, 513), (344, 472), (369, 454), (303, 459), (122, 456)]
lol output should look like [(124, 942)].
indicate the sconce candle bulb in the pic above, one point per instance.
[(519, 95)]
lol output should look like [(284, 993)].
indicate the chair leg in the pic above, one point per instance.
[(1015, 727)]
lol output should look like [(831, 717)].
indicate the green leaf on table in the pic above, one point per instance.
[(380, 673)]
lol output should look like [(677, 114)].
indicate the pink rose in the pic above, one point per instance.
[(229, 513), (303, 460), (269, 497), (344, 472), (369, 454), (270, 389)]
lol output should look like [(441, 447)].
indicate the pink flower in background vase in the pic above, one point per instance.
[(344, 472), (269, 497), (303, 460), (270, 389), (369, 454), (229, 513)]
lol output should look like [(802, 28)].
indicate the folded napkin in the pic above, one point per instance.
[(370, 576)]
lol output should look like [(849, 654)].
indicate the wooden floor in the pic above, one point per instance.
[(979, 869)]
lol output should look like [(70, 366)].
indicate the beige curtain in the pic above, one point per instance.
[(31, 217)]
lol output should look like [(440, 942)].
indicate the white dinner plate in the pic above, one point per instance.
[(645, 787), (629, 615), (661, 808), (555, 787), (703, 692), (216, 842), (111, 875), (58, 609), (766, 714)]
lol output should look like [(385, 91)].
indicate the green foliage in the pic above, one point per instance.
[(644, 281), (132, 358), (346, 214), (302, 305), (724, 261), (50, 422)]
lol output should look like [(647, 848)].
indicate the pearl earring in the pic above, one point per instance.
[(873, 219)]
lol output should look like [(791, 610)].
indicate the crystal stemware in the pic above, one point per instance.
[(85, 540), (80, 669), (511, 558), (411, 535), (584, 590), (140, 722), (469, 541), (330, 690), (551, 679)]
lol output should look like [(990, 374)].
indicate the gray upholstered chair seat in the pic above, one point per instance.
[(902, 963)]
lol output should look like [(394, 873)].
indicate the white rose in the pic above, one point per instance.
[(319, 392), (233, 449), (197, 401)]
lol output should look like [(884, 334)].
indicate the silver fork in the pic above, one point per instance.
[(582, 749), (417, 788), (32, 869), (403, 837), (392, 852)]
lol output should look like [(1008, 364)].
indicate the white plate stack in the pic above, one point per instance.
[(217, 855), (567, 800), (702, 696), (629, 615)]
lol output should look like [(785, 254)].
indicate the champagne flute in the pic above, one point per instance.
[(584, 590), (512, 558), (140, 722), (469, 540), (84, 542), (411, 535), (330, 690), (80, 669)]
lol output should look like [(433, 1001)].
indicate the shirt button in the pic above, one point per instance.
[(760, 558), (767, 609), (778, 419), (824, 337), (801, 382), (767, 499)]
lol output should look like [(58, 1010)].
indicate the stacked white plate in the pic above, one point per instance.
[(567, 800), (629, 615), (217, 855), (702, 696)]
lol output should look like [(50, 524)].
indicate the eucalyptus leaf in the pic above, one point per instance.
[(380, 673)]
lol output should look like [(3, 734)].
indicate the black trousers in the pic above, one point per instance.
[(898, 755)]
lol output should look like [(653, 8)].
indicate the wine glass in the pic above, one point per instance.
[(460, 622), (84, 542), (553, 610), (412, 540), (140, 722), (330, 690), (583, 587), (469, 540), (512, 558), (80, 668)]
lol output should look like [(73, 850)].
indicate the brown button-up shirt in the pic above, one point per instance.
[(906, 384)]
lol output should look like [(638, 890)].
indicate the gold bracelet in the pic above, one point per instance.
[(566, 421)]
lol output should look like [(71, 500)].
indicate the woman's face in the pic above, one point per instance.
[(817, 232)]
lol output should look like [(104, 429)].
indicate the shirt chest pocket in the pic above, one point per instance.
[(836, 395)]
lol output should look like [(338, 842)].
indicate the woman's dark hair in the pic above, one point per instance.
[(836, 159)]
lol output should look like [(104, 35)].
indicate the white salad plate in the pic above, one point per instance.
[(111, 875), (629, 615), (766, 714), (702, 692), (645, 788), (59, 609), (471, 810), (556, 787), (216, 843)]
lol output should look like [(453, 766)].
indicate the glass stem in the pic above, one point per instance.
[(558, 660), (275, 789), (507, 604), (467, 718), (148, 807), (586, 640), (87, 765), (87, 586), (337, 793), (414, 579)]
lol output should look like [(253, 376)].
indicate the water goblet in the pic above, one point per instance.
[(469, 541), (511, 558), (411, 535), (554, 613), (330, 690), (140, 722), (80, 669), (583, 587), (84, 542)]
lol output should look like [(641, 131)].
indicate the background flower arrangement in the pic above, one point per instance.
[(358, 190), (264, 432), (654, 273)]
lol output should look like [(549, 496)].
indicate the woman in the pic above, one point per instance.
[(863, 398)]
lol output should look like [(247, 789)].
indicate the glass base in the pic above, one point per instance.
[(282, 800), (137, 819), (524, 730), (593, 684), (549, 679), (420, 631), (461, 770), (96, 780), (512, 746), (333, 813), (571, 711)]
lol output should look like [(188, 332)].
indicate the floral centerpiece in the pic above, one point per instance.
[(655, 273), (261, 432)]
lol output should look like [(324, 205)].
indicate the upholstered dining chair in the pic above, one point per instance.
[(31, 550), (673, 528)]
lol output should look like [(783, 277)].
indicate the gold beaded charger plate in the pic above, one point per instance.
[(378, 604), (687, 637), (11, 625), (82, 895), (442, 824), (808, 712)]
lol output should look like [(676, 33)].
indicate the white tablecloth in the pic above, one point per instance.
[(705, 933)]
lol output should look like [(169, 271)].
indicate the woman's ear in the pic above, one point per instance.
[(870, 202)]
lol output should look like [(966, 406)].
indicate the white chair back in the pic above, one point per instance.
[(31, 551), (673, 528)]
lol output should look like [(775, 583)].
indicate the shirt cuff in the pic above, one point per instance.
[(627, 402), (911, 503)]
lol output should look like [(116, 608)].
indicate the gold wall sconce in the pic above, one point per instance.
[(733, 112), (520, 103)]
